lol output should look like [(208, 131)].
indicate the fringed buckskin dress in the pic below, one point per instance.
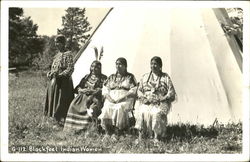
[(116, 114), (152, 115)]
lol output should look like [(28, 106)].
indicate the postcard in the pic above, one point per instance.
[(125, 81)]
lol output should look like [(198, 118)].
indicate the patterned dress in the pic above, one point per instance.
[(77, 117), (117, 114), (152, 113), (60, 88)]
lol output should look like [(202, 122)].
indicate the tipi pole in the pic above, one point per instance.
[(89, 39)]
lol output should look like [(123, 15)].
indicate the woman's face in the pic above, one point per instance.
[(120, 67), (95, 68), (155, 67), (59, 45)]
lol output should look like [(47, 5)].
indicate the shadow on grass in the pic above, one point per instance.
[(188, 131)]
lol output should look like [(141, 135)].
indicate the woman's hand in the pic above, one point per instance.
[(110, 99), (59, 75), (85, 90), (144, 100), (89, 91), (80, 90), (96, 91), (49, 75), (120, 99), (162, 98)]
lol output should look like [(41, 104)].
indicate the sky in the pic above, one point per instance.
[(50, 19)]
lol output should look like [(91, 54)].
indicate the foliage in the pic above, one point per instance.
[(75, 26), (44, 59), (235, 28), (27, 127), (236, 15), (24, 43)]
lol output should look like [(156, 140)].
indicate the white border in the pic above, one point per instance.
[(5, 156), (246, 79)]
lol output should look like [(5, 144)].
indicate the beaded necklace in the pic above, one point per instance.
[(154, 86), (119, 79)]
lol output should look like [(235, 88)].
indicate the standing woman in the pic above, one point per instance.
[(156, 93), (89, 98), (60, 88), (119, 91)]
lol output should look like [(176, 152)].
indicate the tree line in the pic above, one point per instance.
[(28, 49)]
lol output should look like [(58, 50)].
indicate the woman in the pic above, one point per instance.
[(119, 91), (60, 88), (89, 99), (155, 93)]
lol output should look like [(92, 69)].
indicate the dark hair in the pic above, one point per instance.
[(60, 38), (157, 59), (123, 61), (97, 62)]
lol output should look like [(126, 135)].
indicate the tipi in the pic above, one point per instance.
[(204, 66)]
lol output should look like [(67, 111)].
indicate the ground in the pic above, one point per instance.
[(29, 132)]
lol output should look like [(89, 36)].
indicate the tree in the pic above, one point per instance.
[(236, 26), (75, 26), (44, 60), (24, 43)]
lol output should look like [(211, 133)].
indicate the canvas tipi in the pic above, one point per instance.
[(196, 53)]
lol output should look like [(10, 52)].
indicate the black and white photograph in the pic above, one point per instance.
[(135, 81)]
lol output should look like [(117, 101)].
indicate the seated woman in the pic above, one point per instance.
[(119, 91), (89, 99), (155, 93)]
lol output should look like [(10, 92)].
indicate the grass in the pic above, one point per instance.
[(27, 132)]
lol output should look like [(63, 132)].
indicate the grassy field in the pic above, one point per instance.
[(27, 133)]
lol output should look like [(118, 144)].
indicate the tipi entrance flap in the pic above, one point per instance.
[(226, 62), (194, 70)]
